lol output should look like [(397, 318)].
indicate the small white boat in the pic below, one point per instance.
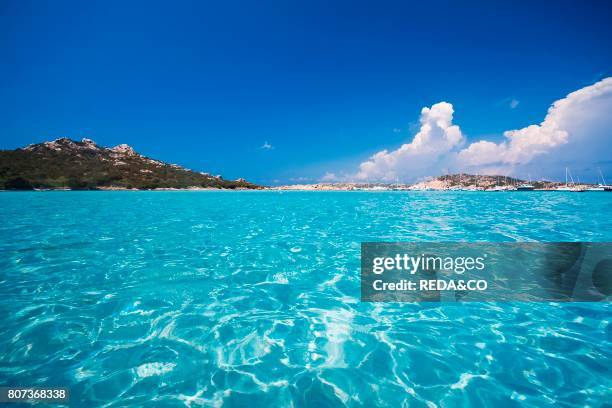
[(525, 187), (570, 187), (601, 186)]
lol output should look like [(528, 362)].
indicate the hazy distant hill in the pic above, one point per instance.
[(65, 163)]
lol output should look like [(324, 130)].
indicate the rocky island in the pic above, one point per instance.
[(84, 165)]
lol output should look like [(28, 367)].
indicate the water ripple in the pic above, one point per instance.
[(207, 299)]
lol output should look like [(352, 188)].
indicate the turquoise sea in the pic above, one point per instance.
[(252, 299)]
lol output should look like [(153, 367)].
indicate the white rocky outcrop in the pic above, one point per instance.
[(56, 145), (124, 149), (89, 144), (65, 143)]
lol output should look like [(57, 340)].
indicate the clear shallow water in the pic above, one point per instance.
[(252, 298)]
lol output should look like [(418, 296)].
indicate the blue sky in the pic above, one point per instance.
[(326, 84)]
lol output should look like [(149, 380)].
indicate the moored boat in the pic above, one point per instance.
[(525, 187), (602, 186), (570, 187)]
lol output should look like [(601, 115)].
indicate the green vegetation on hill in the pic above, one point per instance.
[(65, 163)]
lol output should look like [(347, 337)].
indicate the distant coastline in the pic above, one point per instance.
[(451, 182), (69, 165), (435, 184)]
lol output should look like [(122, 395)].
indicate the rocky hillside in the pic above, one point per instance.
[(65, 163), (465, 180)]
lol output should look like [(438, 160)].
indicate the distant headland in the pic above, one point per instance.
[(66, 164), (454, 182)]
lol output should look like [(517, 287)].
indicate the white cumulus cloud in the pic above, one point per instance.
[(576, 131), (436, 138)]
